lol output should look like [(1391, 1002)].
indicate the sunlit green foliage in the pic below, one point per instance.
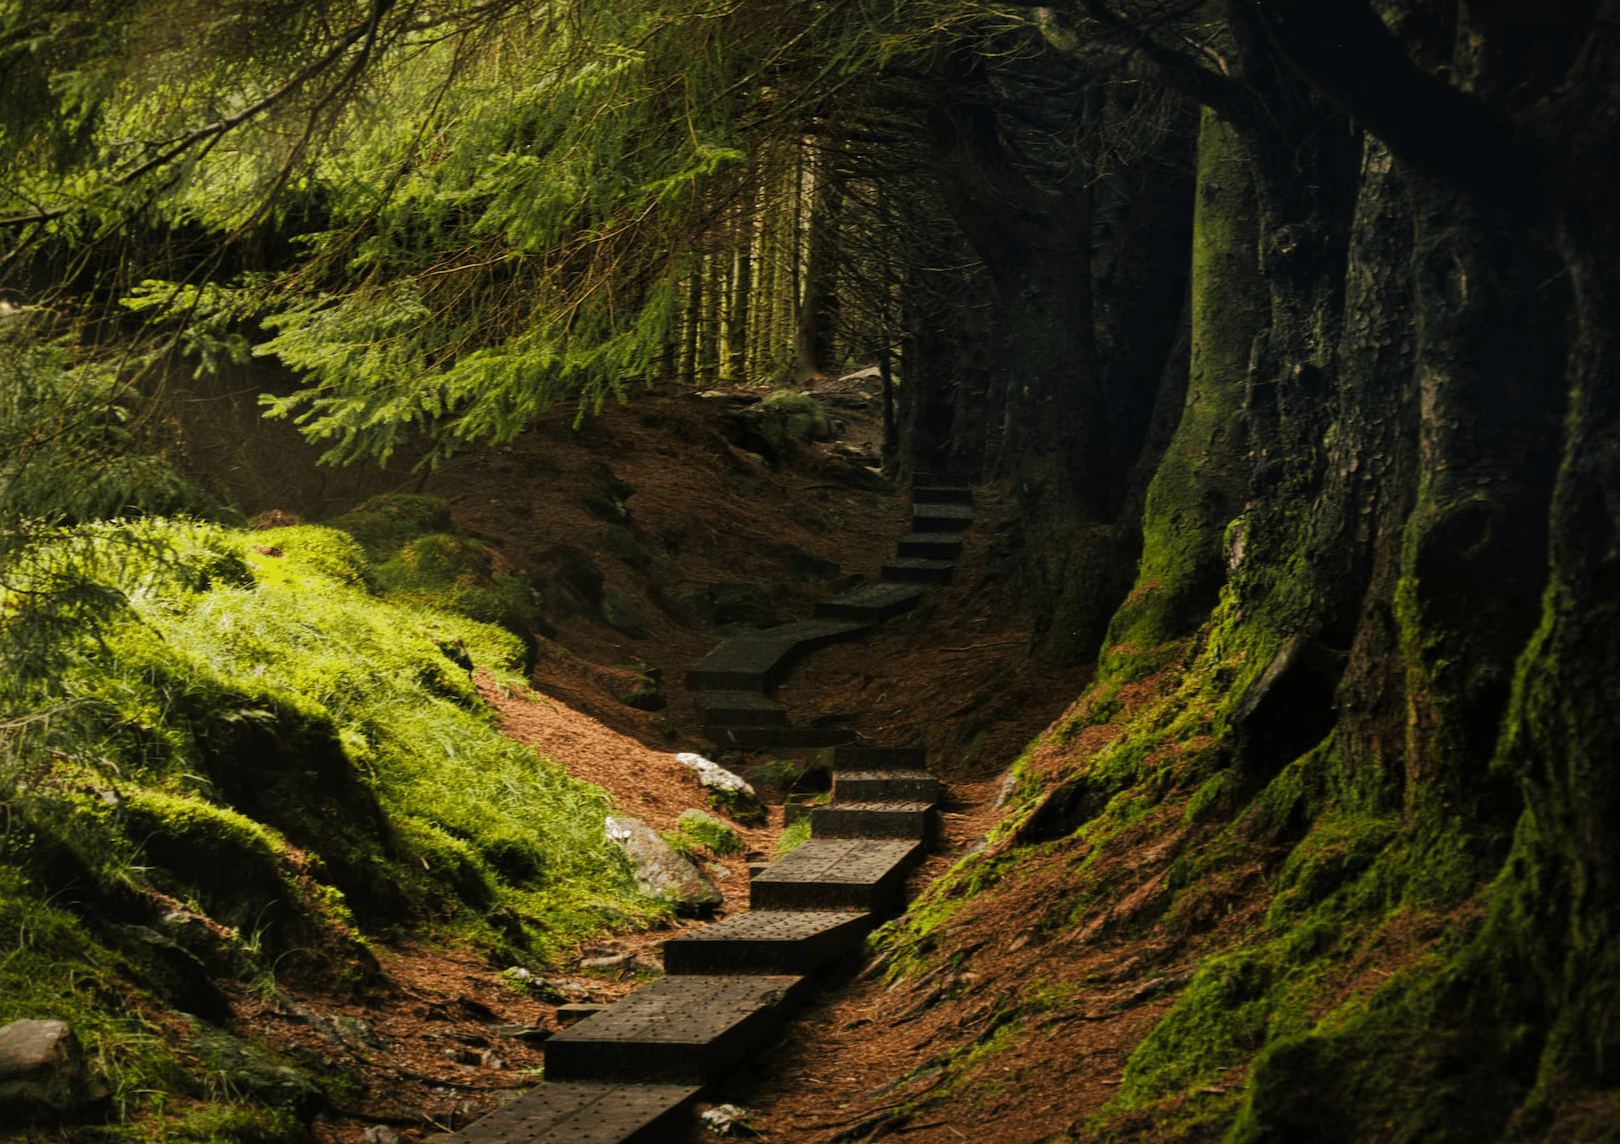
[(261, 659), (496, 204)]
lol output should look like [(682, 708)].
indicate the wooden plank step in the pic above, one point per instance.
[(871, 820), (872, 603), (768, 941), (941, 517), (755, 662), (941, 494), (943, 478), (854, 758), (918, 570), (837, 874), (732, 708), (886, 785), (930, 545), (778, 738), (676, 1030), (580, 1112)]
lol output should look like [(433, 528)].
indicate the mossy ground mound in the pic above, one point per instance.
[(243, 765)]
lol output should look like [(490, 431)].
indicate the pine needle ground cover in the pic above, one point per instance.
[(237, 764)]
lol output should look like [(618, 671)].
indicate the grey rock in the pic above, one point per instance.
[(42, 1070), (241, 1068), (353, 1030), (691, 608), (661, 871), (568, 582), (623, 542), (621, 615), (752, 604)]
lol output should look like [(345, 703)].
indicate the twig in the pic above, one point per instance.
[(463, 1085)]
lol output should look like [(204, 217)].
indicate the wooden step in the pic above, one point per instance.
[(886, 785), (870, 603), (941, 517), (734, 708), (778, 738), (837, 874), (918, 570), (757, 661), (930, 545), (582, 1112), (769, 941), (857, 758), (676, 1030), (900, 820)]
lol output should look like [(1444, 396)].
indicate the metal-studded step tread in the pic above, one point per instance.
[(768, 941), (855, 758), (941, 517), (886, 785), (583, 1112), (755, 662), (676, 1030), (918, 570), (733, 708), (930, 546), (836, 874), (778, 738), (870, 602), (871, 820)]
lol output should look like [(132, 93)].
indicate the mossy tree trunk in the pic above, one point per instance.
[(1201, 482), (1413, 507)]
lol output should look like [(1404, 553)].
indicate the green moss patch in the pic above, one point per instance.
[(694, 829)]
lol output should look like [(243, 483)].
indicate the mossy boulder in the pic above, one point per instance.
[(386, 523), (695, 828), (236, 1066), (793, 416)]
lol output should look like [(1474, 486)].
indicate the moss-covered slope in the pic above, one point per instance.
[(242, 765)]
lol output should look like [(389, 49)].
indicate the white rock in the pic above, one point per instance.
[(723, 1117), (712, 774)]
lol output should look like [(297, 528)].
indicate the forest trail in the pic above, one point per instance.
[(452, 1035), (632, 1071)]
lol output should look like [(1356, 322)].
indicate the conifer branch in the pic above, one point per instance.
[(213, 131)]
